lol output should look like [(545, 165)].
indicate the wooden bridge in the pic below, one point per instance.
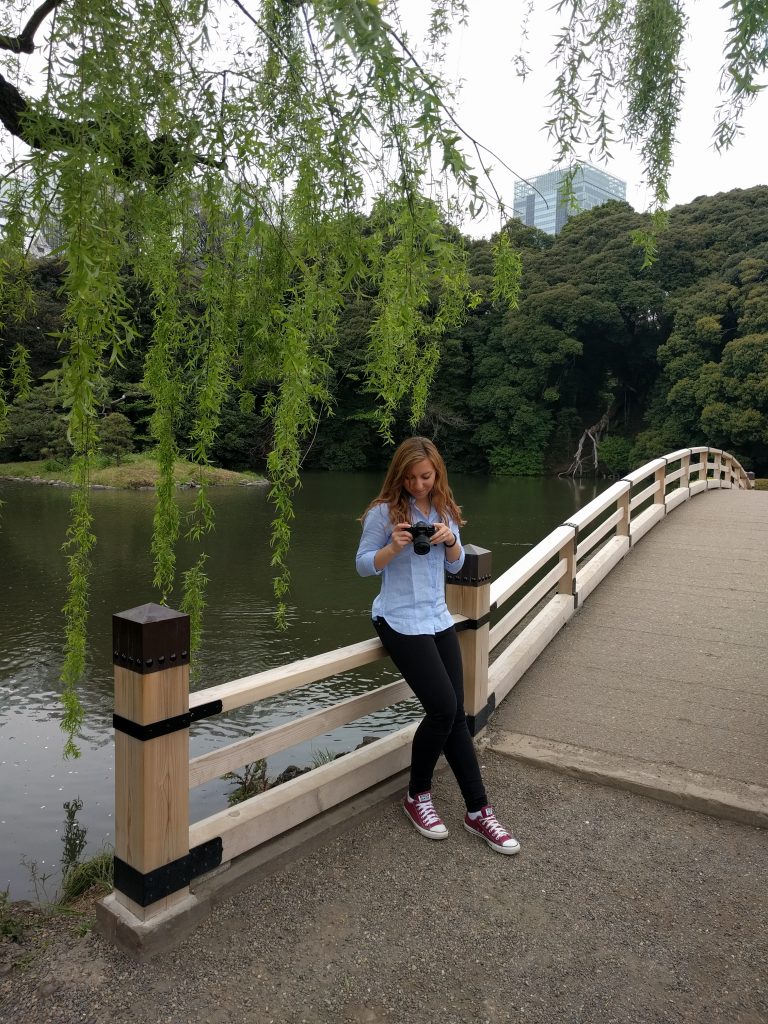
[(660, 684), (657, 685)]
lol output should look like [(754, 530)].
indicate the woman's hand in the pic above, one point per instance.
[(443, 535), (401, 537)]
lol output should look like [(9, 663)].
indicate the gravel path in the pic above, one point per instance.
[(619, 909)]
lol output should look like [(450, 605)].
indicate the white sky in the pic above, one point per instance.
[(508, 115)]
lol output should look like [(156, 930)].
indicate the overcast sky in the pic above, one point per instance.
[(508, 115)]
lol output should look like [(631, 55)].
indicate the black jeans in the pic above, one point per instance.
[(431, 665)]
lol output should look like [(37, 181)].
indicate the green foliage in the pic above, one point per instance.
[(746, 55), (615, 454), (116, 435), (321, 757), (21, 381), (73, 837), (3, 408), (80, 876), (250, 781), (11, 927), (507, 272), (194, 582), (508, 461), (95, 875), (78, 546), (713, 386), (35, 428), (630, 51), (16, 297)]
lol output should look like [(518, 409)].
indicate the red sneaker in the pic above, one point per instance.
[(489, 829), (423, 816)]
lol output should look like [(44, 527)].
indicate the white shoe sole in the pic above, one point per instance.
[(509, 851), (425, 831)]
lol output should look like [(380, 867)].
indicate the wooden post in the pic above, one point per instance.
[(622, 503), (151, 658), (728, 469), (567, 582), (660, 497), (685, 466), (469, 594), (715, 469)]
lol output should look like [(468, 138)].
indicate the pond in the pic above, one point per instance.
[(329, 608)]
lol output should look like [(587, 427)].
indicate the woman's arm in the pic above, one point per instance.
[(454, 552), (400, 539), (380, 542)]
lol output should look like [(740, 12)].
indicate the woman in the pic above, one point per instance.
[(414, 624)]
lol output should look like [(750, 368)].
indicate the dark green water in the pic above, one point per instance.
[(329, 607)]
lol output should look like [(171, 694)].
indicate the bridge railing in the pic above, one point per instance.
[(160, 858)]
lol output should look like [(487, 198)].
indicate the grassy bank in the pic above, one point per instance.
[(134, 472)]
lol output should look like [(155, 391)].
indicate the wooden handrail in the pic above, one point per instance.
[(524, 568), (284, 678)]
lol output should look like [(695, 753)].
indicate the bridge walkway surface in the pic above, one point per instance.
[(620, 909), (660, 681)]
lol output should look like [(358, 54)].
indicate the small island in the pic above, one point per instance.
[(133, 472)]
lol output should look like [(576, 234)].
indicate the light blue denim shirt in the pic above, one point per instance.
[(412, 595)]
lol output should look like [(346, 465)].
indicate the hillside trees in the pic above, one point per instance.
[(582, 341), (713, 386)]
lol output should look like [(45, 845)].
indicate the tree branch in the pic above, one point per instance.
[(158, 156), (25, 42), (595, 436)]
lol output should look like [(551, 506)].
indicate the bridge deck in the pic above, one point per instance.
[(664, 666)]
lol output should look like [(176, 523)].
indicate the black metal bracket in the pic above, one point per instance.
[(153, 729), (472, 623), (478, 722), (148, 888), (166, 725)]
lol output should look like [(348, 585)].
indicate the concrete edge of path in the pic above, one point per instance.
[(709, 794)]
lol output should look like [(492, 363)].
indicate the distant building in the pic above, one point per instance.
[(539, 203)]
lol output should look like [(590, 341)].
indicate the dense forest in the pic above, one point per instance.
[(600, 355)]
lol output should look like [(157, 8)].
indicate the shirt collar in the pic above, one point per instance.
[(417, 510)]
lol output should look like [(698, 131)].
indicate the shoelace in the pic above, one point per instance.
[(428, 816), (498, 832)]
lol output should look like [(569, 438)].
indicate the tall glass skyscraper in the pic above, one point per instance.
[(540, 203)]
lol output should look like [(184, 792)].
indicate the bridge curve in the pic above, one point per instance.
[(658, 683)]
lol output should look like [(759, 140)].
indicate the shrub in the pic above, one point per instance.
[(508, 461), (116, 436), (615, 453), (36, 429)]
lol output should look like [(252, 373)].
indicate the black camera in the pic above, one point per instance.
[(421, 532)]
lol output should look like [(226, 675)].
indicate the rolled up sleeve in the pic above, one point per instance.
[(376, 534), (456, 564)]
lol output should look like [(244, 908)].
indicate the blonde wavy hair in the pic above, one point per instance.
[(394, 494)]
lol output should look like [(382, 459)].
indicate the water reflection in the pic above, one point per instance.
[(329, 608)]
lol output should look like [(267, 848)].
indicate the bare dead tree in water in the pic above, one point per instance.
[(590, 439)]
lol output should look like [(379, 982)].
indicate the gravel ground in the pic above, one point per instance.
[(619, 909)]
